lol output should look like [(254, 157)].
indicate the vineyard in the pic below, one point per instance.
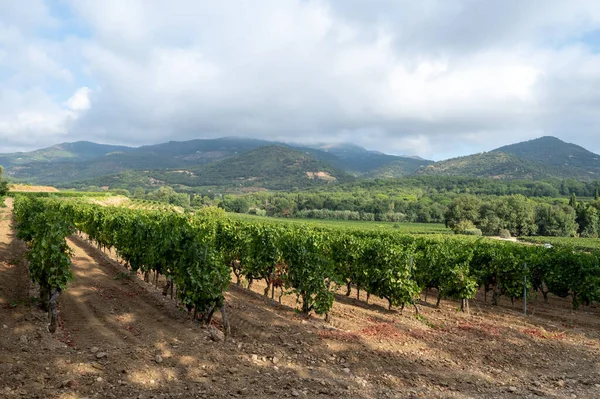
[(577, 243), (198, 253), (399, 227), (118, 336)]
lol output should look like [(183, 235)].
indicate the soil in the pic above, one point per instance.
[(29, 188), (120, 338)]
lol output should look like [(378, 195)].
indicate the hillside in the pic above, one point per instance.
[(271, 167), (369, 164), (543, 158), (497, 165), (77, 151), (66, 163), (220, 162), (398, 168), (562, 159), (63, 172)]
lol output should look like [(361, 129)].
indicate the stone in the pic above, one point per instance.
[(216, 334), (295, 393), (23, 339), (512, 389), (97, 366), (275, 360), (69, 384), (158, 359), (101, 355), (94, 349), (346, 370)]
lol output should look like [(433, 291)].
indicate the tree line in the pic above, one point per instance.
[(518, 216)]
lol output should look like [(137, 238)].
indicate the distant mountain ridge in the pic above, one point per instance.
[(243, 162), (68, 162), (542, 158), (77, 151), (267, 167)]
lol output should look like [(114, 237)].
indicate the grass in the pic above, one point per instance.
[(407, 228)]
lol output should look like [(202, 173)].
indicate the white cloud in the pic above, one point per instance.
[(401, 76), (80, 101)]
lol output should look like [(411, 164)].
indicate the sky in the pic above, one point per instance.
[(434, 78)]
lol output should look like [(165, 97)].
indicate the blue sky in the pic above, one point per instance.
[(435, 78)]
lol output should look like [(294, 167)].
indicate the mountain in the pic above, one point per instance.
[(241, 162), (361, 162), (203, 150), (497, 165), (564, 159), (78, 151), (542, 158), (68, 162), (398, 168), (63, 172), (268, 167)]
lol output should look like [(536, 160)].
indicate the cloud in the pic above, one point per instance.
[(80, 101), (430, 78)]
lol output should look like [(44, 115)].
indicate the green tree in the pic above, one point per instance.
[(573, 200), (139, 193), (588, 220), (3, 183), (517, 214), (556, 220), (464, 208)]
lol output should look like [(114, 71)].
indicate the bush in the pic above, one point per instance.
[(504, 233), (471, 232), (257, 212), (466, 227), (211, 212)]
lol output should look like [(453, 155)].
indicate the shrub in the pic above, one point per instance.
[(466, 227), (504, 233)]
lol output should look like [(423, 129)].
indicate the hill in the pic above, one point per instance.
[(77, 151), (271, 167), (70, 162), (398, 168), (497, 165), (542, 158), (562, 159), (361, 162)]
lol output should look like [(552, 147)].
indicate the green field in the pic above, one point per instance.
[(406, 228)]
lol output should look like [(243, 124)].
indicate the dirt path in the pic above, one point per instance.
[(120, 338), (15, 284), (105, 307)]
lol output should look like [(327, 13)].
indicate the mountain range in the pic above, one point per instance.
[(260, 164)]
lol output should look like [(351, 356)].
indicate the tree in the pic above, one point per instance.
[(139, 193), (588, 220), (3, 183), (464, 208), (556, 220), (517, 214), (573, 200), (235, 204)]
